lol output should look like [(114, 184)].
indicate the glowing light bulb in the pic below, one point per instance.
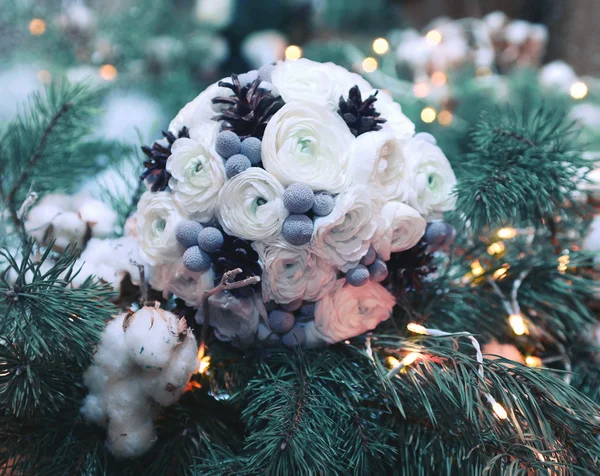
[(445, 117), (416, 328), (381, 46), (428, 115), (108, 72), (507, 233), (533, 361), (496, 248), (293, 52), (499, 273), (392, 361), (517, 324), (204, 364), (37, 27), (438, 78), (476, 268), (433, 37), (410, 358), (578, 90), (499, 411), (421, 89), (369, 64)]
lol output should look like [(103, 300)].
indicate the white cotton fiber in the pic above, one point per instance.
[(151, 337), (112, 353), (68, 228), (167, 385), (129, 439), (151, 360), (95, 378), (101, 218), (94, 409)]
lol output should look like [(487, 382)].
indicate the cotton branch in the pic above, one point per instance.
[(227, 284)]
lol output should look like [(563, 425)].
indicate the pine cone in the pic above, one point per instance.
[(237, 253), (250, 108), (360, 115), (409, 268), (157, 159)]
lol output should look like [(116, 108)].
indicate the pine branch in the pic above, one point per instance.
[(45, 145), (48, 331), (519, 169), (32, 162)]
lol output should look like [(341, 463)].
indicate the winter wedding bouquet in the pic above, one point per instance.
[(299, 174)]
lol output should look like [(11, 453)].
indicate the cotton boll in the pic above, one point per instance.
[(495, 22), (39, 219), (112, 352), (130, 429), (517, 32), (557, 74), (67, 229), (151, 337), (126, 401), (94, 378), (110, 261), (168, 384), (128, 441), (93, 409), (100, 217)]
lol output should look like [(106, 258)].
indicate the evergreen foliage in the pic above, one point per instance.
[(334, 410)]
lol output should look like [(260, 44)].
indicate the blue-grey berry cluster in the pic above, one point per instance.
[(297, 229), (371, 267), (239, 155), (285, 322), (199, 241), (228, 144), (302, 203), (236, 164)]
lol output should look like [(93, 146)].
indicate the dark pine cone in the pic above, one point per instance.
[(237, 253), (360, 115), (157, 159), (249, 109), (408, 268)]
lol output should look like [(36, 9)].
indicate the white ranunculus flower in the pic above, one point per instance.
[(401, 126), (200, 111), (293, 272), (198, 173), (250, 205), (157, 217), (403, 227), (347, 311), (431, 177), (344, 80), (377, 160), (177, 279), (310, 144), (344, 236), (304, 81)]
